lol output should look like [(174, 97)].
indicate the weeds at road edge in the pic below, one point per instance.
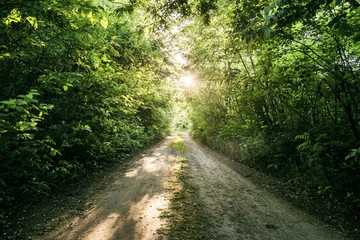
[(187, 219)]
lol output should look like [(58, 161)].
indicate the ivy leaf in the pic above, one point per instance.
[(104, 22)]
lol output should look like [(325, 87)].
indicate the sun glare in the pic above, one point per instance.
[(188, 80), (179, 59)]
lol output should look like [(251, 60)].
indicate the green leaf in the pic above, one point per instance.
[(14, 16), (88, 13), (267, 32), (94, 19), (5, 55), (87, 128), (104, 22), (25, 126), (44, 106), (33, 22), (54, 152), (9, 102), (65, 87)]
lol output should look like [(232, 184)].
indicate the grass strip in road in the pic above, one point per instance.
[(186, 215), (178, 145)]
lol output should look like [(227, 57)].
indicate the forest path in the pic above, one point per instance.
[(239, 209), (126, 202), (127, 205)]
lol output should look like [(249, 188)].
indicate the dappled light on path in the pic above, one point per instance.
[(105, 229), (146, 214), (146, 164), (130, 206)]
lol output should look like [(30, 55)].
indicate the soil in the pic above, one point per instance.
[(126, 201), (121, 202), (240, 207)]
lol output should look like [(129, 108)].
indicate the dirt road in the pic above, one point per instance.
[(127, 206), (240, 209), (127, 203)]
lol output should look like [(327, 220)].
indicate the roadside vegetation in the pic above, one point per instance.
[(276, 87), (81, 86)]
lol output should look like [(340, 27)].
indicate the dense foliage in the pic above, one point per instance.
[(278, 88), (81, 85)]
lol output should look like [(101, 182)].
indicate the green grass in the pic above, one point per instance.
[(178, 145)]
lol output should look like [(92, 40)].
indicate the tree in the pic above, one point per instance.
[(81, 86), (280, 88)]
